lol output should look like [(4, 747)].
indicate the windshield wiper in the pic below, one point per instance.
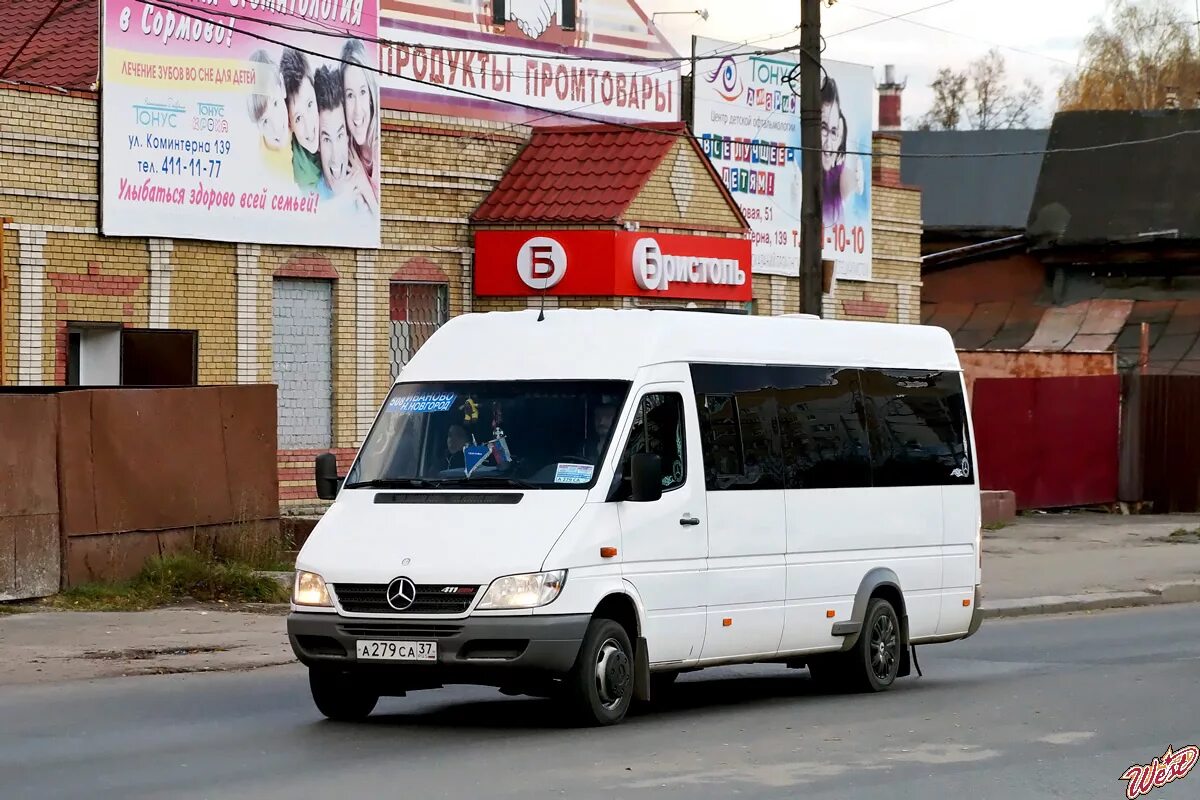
[(394, 483), (489, 480)]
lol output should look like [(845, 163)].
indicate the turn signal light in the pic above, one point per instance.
[(830, 614), (966, 602), (608, 552), (725, 623)]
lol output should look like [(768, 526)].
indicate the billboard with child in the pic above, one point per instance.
[(241, 121)]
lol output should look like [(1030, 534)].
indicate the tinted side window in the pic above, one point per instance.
[(658, 428), (918, 424), (824, 430), (739, 426)]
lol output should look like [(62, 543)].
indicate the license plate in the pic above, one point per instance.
[(384, 650)]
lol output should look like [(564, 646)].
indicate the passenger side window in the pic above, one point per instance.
[(824, 430), (658, 428), (740, 432), (918, 423)]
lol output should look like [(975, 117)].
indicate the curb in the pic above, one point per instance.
[(1066, 604)]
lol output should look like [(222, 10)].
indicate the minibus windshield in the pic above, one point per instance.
[(526, 434)]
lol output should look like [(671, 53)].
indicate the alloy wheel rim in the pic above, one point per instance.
[(885, 646)]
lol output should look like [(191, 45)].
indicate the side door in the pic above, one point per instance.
[(665, 543)]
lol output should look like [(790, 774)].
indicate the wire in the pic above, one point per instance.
[(921, 24), (30, 38), (683, 134), (338, 33), (892, 17)]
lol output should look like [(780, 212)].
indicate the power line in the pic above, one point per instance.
[(891, 18), (659, 131), (921, 24)]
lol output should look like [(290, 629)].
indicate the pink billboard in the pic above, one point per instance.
[(241, 120)]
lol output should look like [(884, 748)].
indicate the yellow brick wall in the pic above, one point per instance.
[(204, 299), (703, 202)]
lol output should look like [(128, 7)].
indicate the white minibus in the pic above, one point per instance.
[(584, 504)]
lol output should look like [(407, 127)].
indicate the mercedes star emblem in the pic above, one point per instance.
[(401, 593)]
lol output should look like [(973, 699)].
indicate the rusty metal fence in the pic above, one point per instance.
[(94, 482), (1160, 443)]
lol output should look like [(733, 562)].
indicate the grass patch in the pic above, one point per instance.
[(1184, 535), (172, 580), (10, 608), (995, 526)]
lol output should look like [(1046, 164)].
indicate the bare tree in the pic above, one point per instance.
[(981, 97), (1130, 60), (949, 97)]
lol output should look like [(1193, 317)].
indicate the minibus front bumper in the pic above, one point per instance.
[(475, 649)]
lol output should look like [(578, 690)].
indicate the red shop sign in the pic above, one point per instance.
[(611, 264)]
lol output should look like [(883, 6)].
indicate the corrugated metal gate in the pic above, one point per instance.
[(1160, 448), (1052, 441)]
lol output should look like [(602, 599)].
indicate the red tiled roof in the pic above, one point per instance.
[(64, 52), (582, 173)]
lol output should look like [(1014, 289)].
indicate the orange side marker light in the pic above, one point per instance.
[(727, 622), (608, 552), (830, 614), (966, 602)]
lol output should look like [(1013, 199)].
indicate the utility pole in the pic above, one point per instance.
[(811, 229)]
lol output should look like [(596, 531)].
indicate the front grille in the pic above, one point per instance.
[(415, 630), (371, 598)]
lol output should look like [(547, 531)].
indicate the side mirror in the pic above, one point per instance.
[(328, 482), (646, 478)]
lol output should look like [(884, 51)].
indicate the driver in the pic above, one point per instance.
[(602, 422), (456, 440)]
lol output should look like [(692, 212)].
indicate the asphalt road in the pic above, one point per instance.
[(1045, 707)]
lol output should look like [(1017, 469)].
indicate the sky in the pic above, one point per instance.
[(1039, 39)]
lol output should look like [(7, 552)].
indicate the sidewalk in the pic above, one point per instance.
[(1040, 564)]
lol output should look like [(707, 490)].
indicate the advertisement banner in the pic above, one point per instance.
[(611, 264), (523, 60), (747, 119), (210, 131)]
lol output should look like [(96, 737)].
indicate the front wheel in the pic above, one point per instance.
[(600, 685), (339, 696)]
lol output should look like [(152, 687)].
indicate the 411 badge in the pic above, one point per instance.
[(1170, 766)]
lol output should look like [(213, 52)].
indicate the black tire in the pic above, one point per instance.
[(873, 663), (340, 696), (600, 685)]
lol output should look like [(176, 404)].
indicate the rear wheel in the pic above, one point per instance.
[(873, 663), (875, 659), (600, 685), (340, 696)]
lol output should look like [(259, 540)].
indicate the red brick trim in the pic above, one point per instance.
[(308, 267), (890, 178), (420, 270), (61, 346), (866, 307), (96, 283), (297, 465)]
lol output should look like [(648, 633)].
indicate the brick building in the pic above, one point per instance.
[(330, 326)]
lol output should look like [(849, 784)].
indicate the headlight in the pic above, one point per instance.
[(310, 590), (524, 591)]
